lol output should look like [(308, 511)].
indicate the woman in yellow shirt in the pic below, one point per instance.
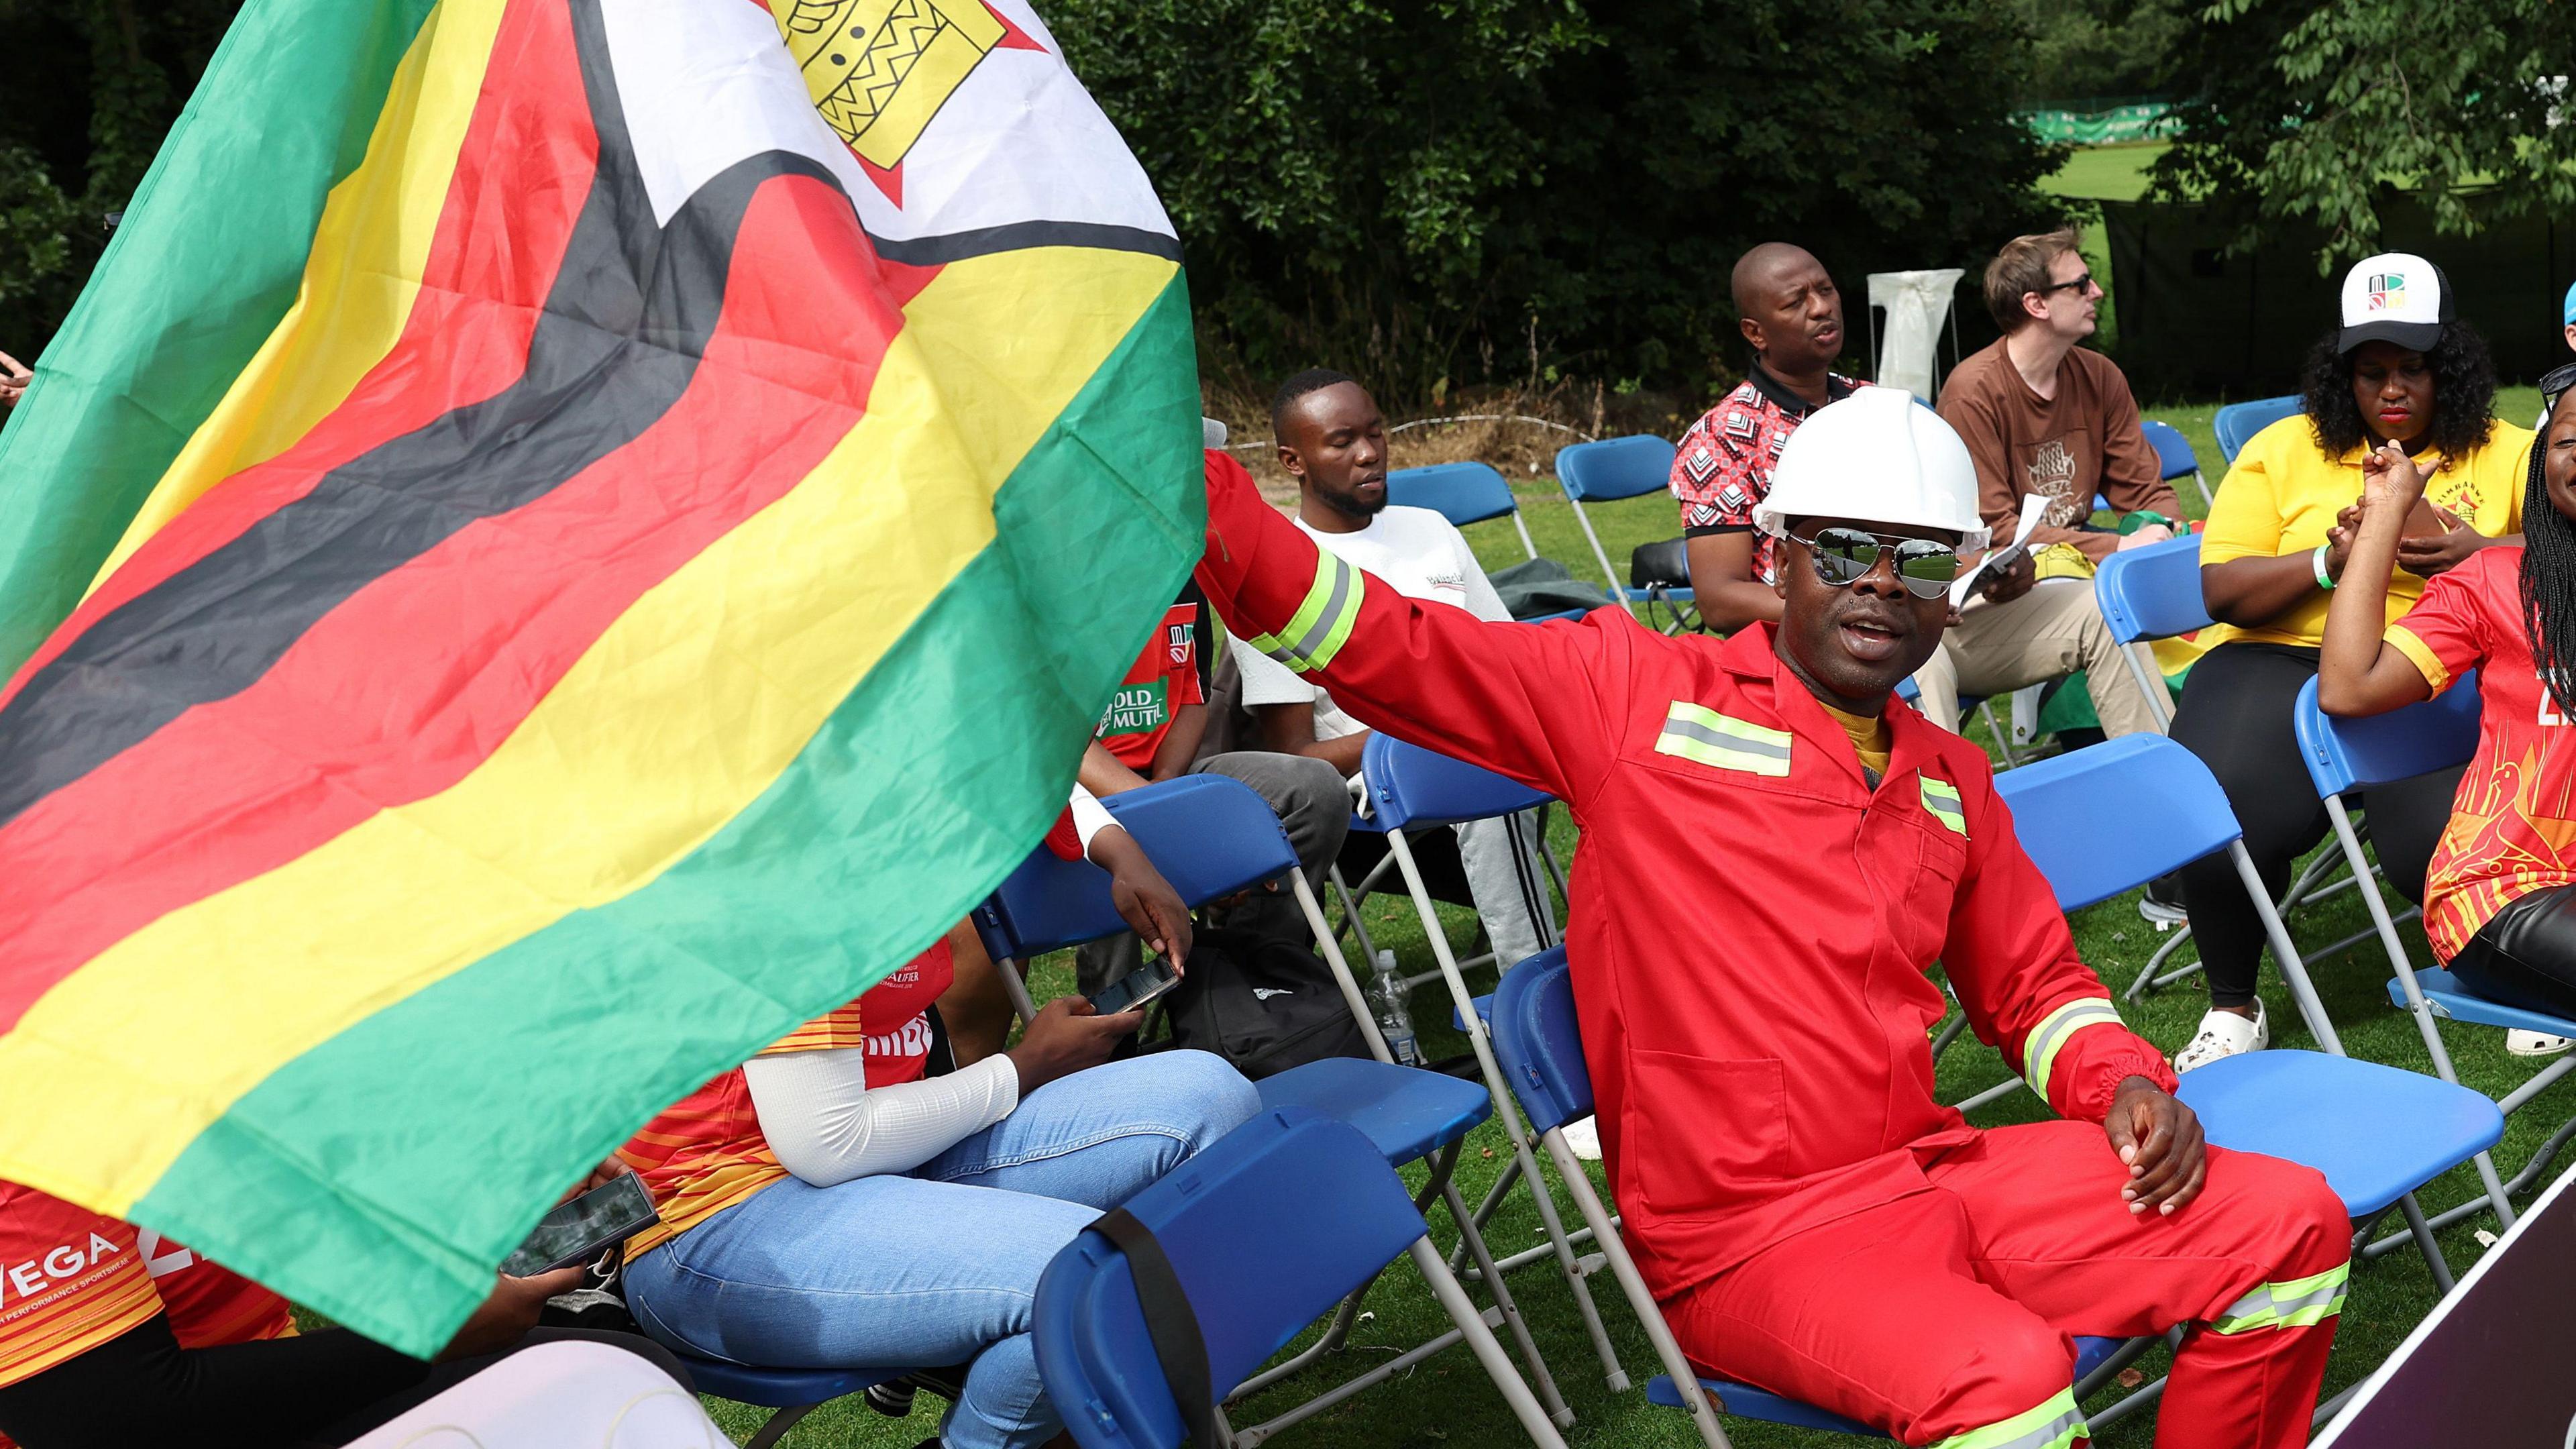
[(2401, 369)]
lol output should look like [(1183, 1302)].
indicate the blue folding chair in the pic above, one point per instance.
[(2174, 457), (1412, 788), (1263, 1231), (1463, 493), (1212, 836), (794, 1393), (1605, 472), (1536, 1037), (2344, 755), (2386, 1126), (2147, 594), (2237, 423)]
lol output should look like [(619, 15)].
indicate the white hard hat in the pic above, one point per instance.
[(1877, 456)]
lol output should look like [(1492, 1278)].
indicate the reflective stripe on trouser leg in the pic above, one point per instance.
[(2296, 1303), (2055, 1424), (2039, 1049)]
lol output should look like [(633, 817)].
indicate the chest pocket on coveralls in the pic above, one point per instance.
[(1941, 859)]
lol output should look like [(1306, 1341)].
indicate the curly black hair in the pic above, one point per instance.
[(2464, 384)]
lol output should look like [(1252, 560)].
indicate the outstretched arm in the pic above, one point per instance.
[(1539, 703)]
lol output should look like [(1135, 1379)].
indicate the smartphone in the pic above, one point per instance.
[(1131, 991), (582, 1229)]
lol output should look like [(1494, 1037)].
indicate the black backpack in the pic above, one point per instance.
[(1261, 1003)]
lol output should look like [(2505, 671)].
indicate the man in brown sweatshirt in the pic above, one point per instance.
[(2041, 414)]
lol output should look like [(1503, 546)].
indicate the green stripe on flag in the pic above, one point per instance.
[(388, 1213), (203, 271)]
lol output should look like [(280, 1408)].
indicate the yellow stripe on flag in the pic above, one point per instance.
[(369, 253), (581, 806)]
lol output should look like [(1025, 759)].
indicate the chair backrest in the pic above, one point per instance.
[(2174, 457), (2355, 754), (1537, 1042), (1410, 787), (2238, 422), (1463, 493), (1614, 468), (1266, 1230), (2111, 817), (1210, 836), (2152, 592)]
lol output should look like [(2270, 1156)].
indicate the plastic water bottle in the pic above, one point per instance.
[(1394, 1019)]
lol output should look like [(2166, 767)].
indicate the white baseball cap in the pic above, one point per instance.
[(2394, 297), (1877, 456)]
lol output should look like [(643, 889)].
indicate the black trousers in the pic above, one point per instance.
[(2236, 716), (2525, 955), (311, 1390)]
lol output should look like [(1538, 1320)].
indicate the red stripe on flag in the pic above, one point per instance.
[(521, 177), (403, 690)]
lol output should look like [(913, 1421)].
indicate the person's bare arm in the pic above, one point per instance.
[(1289, 729), (2250, 592), (1180, 744), (1721, 573), (1104, 774), (2359, 672)]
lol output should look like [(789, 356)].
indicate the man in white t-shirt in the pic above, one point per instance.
[(1332, 439)]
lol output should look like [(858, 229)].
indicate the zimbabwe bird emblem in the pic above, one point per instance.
[(880, 69)]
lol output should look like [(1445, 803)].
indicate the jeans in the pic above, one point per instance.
[(940, 1265)]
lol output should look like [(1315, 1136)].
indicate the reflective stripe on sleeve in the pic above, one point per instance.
[(1322, 623), (1942, 799), (2040, 1048), (2298, 1303), (1697, 733), (2056, 1423)]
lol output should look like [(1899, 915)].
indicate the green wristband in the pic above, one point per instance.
[(2324, 580)]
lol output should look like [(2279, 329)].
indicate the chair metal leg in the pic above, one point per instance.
[(1351, 915), (2293, 969), (1554, 1402), (1489, 1352), (1506, 1111), (2423, 1235), (2147, 978), (1015, 984), (2151, 687), (2416, 1006), (1948, 1033), (777, 1426), (1331, 946), (1623, 1270)]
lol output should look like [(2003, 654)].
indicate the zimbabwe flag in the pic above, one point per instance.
[(566, 538)]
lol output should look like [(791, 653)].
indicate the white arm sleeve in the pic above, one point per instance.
[(827, 1127), (1090, 817)]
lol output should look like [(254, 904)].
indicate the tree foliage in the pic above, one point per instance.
[(2307, 111), (1418, 189), (93, 86)]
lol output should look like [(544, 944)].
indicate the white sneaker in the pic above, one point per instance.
[(1583, 1134), (2225, 1034), (2536, 1043)]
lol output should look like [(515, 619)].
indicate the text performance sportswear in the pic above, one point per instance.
[(610, 522)]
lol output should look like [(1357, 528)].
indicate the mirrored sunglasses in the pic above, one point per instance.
[(1844, 556)]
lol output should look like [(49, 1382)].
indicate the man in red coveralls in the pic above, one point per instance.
[(1773, 855)]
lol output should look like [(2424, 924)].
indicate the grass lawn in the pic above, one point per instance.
[(2106, 173), (1447, 1402)]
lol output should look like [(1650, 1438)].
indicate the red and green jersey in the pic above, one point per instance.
[(2513, 824), (1165, 677)]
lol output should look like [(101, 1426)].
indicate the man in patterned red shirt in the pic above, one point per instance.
[(1792, 317)]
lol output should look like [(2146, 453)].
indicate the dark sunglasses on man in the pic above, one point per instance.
[(1845, 556)]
